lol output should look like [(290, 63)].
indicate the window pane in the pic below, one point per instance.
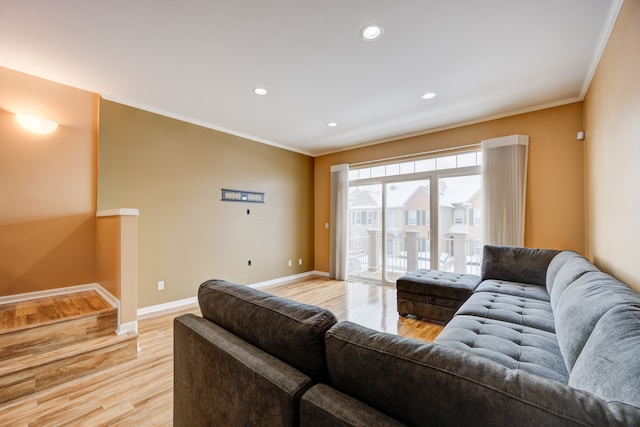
[(377, 171), (479, 155), (393, 169), (425, 165), (365, 173), (353, 174), (447, 162), (407, 167), (467, 159)]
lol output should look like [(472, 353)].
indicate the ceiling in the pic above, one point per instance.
[(200, 60)]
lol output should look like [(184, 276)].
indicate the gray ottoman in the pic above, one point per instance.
[(434, 295)]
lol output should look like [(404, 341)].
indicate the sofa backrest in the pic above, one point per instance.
[(515, 264), (597, 321), (421, 383), (564, 269), (581, 305), (291, 331), (609, 363)]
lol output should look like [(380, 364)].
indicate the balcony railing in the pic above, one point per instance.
[(408, 253)]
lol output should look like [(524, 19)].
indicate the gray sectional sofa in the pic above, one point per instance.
[(545, 338)]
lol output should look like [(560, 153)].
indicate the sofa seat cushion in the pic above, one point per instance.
[(516, 289), (609, 364), (522, 311), (291, 331), (512, 345)]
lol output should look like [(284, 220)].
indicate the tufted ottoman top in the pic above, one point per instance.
[(442, 284)]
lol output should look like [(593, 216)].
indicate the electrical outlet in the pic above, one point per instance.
[(300, 261), (161, 285), (290, 263)]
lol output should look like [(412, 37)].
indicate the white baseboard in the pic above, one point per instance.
[(287, 279), (48, 293), (125, 328), (192, 301), (167, 306)]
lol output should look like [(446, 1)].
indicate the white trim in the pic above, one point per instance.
[(193, 301), (109, 297), (279, 280), (320, 273), (47, 293), (118, 212), (607, 28), (477, 120), (129, 327), (202, 123), (167, 306)]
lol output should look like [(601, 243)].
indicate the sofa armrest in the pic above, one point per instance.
[(515, 264), (324, 406), (221, 379)]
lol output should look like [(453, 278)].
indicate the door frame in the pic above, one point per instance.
[(433, 178)]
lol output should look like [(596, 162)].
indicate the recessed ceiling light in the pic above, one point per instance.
[(428, 95), (371, 32), (332, 124), (260, 91)]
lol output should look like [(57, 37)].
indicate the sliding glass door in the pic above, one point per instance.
[(419, 219), (460, 223), (407, 230), (365, 226)]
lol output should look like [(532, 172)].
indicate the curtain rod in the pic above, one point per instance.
[(414, 155)]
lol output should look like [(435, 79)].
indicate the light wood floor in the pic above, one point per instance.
[(140, 392), (24, 314)]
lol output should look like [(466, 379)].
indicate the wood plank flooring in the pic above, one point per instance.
[(140, 392), (25, 314), (52, 340)]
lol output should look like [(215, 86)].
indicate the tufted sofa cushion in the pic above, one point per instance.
[(609, 365), (291, 331), (515, 264), (522, 311), (511, 345), (439, 283), (421, 383), (523, 290), (581, 306)]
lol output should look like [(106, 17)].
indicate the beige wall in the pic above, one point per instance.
[(172, 172), (47, 186), (555, 204), (612, 172)]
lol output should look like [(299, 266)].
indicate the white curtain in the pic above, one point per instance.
[(504, 187), (338, 239)]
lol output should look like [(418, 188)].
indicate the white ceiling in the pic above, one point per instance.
[(199, 60)]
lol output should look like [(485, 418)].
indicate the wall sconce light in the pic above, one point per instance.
[(36, 124)]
